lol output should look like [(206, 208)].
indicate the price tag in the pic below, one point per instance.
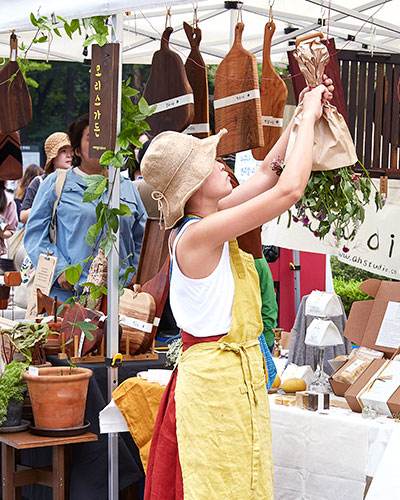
[(34, 370)]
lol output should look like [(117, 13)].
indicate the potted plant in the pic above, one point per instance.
[(58, 393), (20, 345), (12, 393)]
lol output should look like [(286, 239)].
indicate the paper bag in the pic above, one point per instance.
[(333, 145)]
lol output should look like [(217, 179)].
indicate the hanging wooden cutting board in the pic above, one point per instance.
[(237, 100), (273, 94), (196, 72), (169, 88), (15, 100), (158, 288)]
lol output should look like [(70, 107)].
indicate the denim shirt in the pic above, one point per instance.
[(74, 217)]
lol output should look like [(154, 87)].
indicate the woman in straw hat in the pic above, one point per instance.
[(212, 438), (58, 155)]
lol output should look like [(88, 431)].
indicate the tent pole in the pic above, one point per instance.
[(233, 21), (112, 285)]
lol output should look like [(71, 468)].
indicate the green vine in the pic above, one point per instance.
[(333, 202)]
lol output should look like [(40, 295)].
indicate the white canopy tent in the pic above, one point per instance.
[(144, 21)]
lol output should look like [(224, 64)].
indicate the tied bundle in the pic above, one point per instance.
[(335, 196), (333, 145)]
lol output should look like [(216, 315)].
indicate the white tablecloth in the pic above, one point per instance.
[(325, 456)]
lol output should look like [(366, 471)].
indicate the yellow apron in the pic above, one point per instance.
[(222, 411)]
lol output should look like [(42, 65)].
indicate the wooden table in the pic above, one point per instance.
[(14, 475)]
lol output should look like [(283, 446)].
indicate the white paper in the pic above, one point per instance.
[(323, 304), (112, 420), (389, 333), (381, 390), (323, 333), (34, 370)]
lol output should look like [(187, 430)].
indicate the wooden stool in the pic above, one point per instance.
[(14, 475)]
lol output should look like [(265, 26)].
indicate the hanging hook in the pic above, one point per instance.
[(239, 15), (168, 17), (195, 18), (270, 15)]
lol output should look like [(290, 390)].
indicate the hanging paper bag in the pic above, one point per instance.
[(333, 145)]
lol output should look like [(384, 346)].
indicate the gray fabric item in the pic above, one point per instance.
[(302, 354)]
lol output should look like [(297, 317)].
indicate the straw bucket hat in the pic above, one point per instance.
[(176, 165), (53, 144)]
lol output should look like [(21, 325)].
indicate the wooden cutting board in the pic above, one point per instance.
[(138, 306), (169, 88), (236, 78), (15, 100), (196, 72), (273, 94), (158, 288)]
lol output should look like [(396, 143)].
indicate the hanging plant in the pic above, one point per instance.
[(333, 202)]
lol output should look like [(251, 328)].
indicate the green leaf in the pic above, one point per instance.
[(128, 271), (101, 40), (107, 243), (143, 106), (86, 327), (118, 160), (96, 187), (89, 40), (73, 273), (74, 25), (41, 39), (57, 32), (92, 233), (112, 220), (107, 158), (129, 91), (33, 19), (126, 103), (123, 210), (67, 30)]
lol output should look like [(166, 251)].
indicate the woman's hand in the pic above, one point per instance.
[(313, 102), (62, 281), (328, 84)]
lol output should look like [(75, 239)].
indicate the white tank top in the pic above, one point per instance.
[(202, 306)]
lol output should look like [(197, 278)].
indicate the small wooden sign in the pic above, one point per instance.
[(103, 98), (43, 280)]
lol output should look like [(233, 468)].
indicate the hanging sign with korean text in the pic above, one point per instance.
[(103, 99)]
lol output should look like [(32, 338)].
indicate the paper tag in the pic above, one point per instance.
[(389, 332), (156, 321), (234, 99), (13, 55), (43, 280), (34, 370), (197, 128), (136, 323), (175, 102), (81, 341), (271, 121)]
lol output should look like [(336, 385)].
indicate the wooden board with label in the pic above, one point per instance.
[(196, 72), (237, 100), (273, 94), (168, 87), (103, 105), (15, 100)]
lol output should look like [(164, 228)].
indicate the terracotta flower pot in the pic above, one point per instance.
[(58, 397)]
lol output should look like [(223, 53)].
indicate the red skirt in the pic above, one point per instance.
[(164, 475)]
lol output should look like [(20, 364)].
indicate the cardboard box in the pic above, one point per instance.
[(355, 388), (365, 320)]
